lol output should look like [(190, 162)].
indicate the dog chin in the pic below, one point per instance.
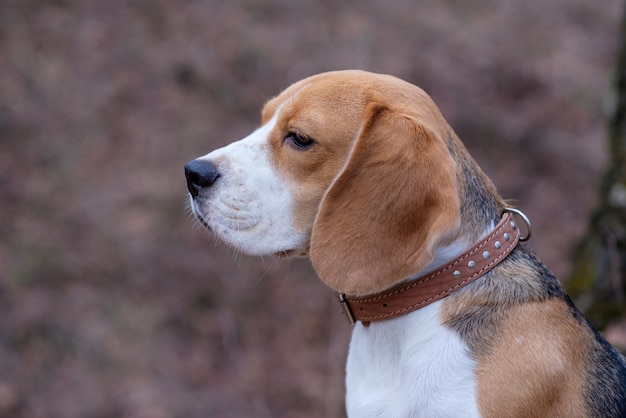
[(241, 245)]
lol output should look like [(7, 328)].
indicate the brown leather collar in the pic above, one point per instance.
[(410, 296)]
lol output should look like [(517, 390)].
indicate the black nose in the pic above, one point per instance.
[(200, 173)]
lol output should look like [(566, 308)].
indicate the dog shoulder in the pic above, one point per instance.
[(536, 353)]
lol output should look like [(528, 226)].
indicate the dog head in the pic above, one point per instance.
[(350, 168)]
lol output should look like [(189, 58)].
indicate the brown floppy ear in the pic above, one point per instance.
[(394, 202)]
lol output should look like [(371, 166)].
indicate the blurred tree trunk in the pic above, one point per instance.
[(598, 280)]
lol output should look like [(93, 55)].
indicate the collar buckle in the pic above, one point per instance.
[(345, 308)]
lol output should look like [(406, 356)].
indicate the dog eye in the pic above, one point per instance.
[(299, 140)]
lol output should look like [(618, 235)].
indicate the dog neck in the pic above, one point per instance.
[(432, 286)]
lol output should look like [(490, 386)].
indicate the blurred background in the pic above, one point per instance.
[(114, 303)]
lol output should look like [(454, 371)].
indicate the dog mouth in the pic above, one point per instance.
[(283, 254), (202, 221), (295, 253), (225, 234), (197, 214)]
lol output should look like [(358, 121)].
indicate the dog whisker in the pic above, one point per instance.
[(274, 261)]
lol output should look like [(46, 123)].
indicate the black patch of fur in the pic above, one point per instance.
[(606, 388), (478, 204), (550, 284)]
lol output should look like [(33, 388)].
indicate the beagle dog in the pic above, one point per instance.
[(453, 317)]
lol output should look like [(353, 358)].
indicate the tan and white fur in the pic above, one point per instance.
[(361, 173)]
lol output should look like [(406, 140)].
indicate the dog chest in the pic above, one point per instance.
[(411, 363)]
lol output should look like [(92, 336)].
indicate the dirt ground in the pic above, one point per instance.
[(114, 303)]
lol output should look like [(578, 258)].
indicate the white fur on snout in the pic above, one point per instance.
[(250, 205)]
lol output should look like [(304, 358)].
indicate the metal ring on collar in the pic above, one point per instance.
[(525, 219)]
